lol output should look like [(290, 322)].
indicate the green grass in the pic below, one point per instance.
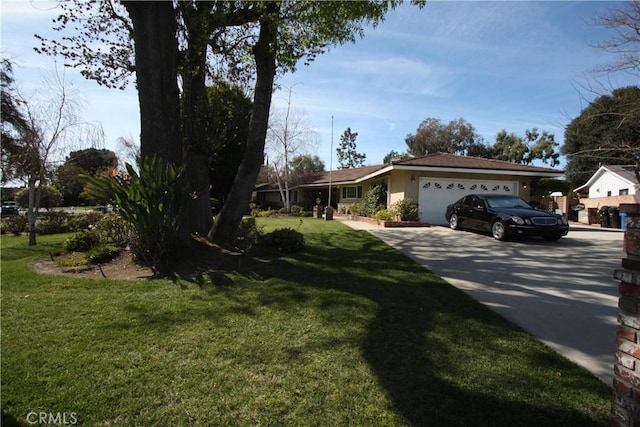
[(347, 332)]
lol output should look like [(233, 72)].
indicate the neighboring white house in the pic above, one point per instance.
[(611, 185)]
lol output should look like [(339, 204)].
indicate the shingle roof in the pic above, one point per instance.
[(465, 162), (436, 160)]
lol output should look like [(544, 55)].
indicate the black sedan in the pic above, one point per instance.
[(505, 217)]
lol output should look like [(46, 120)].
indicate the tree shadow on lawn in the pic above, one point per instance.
[(443, 358)]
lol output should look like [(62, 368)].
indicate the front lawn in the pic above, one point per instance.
[(347, 332)]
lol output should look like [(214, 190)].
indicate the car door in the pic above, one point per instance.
[(465, 212), (479, 214)]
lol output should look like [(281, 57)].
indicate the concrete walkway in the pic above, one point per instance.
[(561, 292)]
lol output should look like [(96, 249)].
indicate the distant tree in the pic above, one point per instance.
[(305, 164), (456, 137), (533, 146), (86, 162), (348, 157), (46, 126), (289, 135), (606, 132), (50, 197), (395, 155), (625, 41)]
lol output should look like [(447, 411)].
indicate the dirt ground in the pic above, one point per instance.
[(201, 257)]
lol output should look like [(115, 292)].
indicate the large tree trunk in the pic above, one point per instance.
[(264, 52), (156, 49), (194, 109)]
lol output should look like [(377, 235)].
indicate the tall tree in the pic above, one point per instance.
[(288, 135), (348, 157), (82, 162), (276, 34), (41, 130), (393, 155), (305, 164), (533, 146), (605, 132), (625, 41), (455, 137)]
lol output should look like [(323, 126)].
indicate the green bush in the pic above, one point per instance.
[(83, 221), (16, 224), (285, 240), (113, 229), (83, 241), (374, 200), (154, 200), (305, 214), (265, 214), (246, 235), (384, 215), (101, 254), (50, 197), (358, 208), (406, 209), (52, 222)]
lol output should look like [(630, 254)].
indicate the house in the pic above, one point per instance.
[(609, 186), (433, 181)]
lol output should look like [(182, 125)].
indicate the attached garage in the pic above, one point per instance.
[(436, 193)]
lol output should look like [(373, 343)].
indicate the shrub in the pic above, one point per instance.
[(82, 241), (52, 222), (267, 213), (357, 208), (374, 200), (305, 214), (384, 215), (83, 221), (296, 209), (406, 209), (154, 201), (113, 230), (246, 235), (285, 240), (15, 224), (50, 197), (102, 253)]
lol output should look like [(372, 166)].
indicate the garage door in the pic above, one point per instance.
[(436, 193)]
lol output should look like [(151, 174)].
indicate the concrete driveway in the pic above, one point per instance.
[(561, 292)]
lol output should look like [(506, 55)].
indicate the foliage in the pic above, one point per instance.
[(545, 186), (102, 254), (606, 132), (90, 161), (393, 154), (52, 222), (154, 200), (305, 164), (15, 224), (50, 197), (456, 137), (374, 200), (406, 209), (384, 215), (348, 157), (84, 220), (285, 240), (358, 208), (534, 146), (83, 241), (246, 235), (113, 229)]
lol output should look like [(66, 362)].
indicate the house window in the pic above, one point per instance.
[(623, 192), (608, 193), (294, 196), (354, 192)]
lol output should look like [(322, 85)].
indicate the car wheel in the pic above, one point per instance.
[(498, 231), (453, 222)]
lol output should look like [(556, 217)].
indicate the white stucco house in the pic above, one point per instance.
[(610, 185)]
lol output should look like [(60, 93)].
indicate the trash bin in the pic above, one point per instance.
[(317, 211), (614, 217), (604, 217), (623, 220), (328, 213)]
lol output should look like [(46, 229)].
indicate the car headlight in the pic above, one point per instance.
[(563, 221), (517, 220)]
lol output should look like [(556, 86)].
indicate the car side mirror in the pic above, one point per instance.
[(479, 208)]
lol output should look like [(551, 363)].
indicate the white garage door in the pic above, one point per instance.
[(436, 193)]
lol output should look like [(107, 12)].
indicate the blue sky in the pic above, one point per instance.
[(499, 65)]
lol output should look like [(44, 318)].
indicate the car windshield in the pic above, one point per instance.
[(507, 202)]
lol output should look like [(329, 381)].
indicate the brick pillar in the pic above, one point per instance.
[(625, 407)]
